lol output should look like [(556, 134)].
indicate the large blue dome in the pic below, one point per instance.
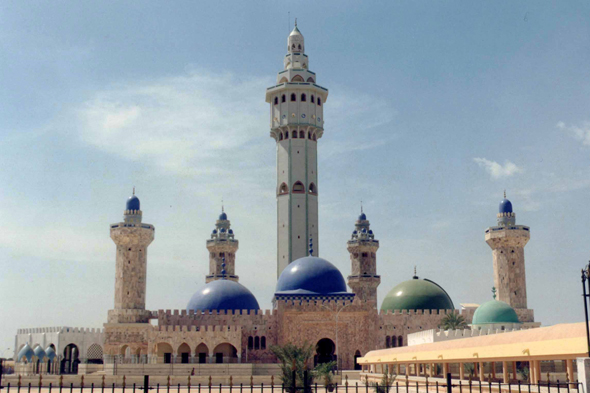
[(223, 295), (505, 206), (311, 276), (133, 203)]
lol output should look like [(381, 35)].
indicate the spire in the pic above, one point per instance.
[(223, 269), (504, 194), (222, 210), (310, 246), (494, 292), (133, 190), (415, 274), (361, 206), (295, 22)]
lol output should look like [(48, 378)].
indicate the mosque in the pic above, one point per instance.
[(223, 322)]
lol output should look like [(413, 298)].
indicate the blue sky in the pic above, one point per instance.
[(434, 109)]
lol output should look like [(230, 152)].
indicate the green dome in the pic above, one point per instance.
[(417, 294), (494, 311)]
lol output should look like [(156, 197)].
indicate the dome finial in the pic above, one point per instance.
[(133, 190), (295, 22), (222, 208), (223, 268), (361, 206), (494, 292), (415, 274), (504, 194), (310, 246)]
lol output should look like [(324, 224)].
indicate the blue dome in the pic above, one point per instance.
[(223, 216), (505, 206), (362, 217), (311, 276), (231, 231), (26, 352), (214, 231), (132, 203), (223, 295), (50, 352)]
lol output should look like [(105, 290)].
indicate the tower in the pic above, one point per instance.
[(132, 238), (222, 248), (296, 124), (507, 241), (362, 246)]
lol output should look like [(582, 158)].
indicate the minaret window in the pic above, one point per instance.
[(297, 78), (256, 342), (294, 134), (298, 187), (283, 80), (263, 342), (309, 135), (286, 134), (310, 79), (293, 97), (280, 136), (312, 99), (301, 134), (313, 189), (303, 98), (283, 189), (250, 342), (299, 46), (319, 101), (314, 137), (276, 100), (283, 98)]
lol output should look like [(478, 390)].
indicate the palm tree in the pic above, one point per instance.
[(295, 359), (453, 321)]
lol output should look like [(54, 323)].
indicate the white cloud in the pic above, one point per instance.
[(580, 132), (497, 170)]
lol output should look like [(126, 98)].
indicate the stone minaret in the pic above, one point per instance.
[(296, 124), (132, 238), (507, 241), (362, 246), (222, 248)]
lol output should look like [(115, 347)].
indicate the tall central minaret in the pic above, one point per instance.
[(296, 124)]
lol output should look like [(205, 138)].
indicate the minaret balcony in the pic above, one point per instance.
[(297, 86)]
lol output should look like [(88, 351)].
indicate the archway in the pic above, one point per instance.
[(225, 353), (69, 364), (184, 353), (357, 355), (324, 349), (94, 354), (202, 352), (164, 353)]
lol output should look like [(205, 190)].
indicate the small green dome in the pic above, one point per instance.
[(417, 294), (494, 311)]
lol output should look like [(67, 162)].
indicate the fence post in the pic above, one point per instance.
[(146, 383), (449, 386)]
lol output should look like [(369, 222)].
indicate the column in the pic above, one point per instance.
[(461, 370), (493, 364), (514, 376), (407, 369), (430, 370), (569, 363), (397, 369), (505, 372), (445, 369), (538, 370)]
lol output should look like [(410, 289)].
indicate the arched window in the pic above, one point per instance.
[(393, 342), (280, 136), (293, 97), (314, 138), (303, 98), (387, 343), (283, 80), (298, 188), (310, 79), (263, 342), (299, 46), (256, 342), (283, 189), (286, 134), (276, 100), (309, 135), (313, 189), (312, 99), (297, 78), (295, 134), (250, 342), (293, 47), (319, 101), (400, 341), (301, 134), (283, 98)]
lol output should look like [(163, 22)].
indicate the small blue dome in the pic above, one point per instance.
[(354, 232), (39, 352), (370, 231), (222, 230), (231, 231), (223, 216), (50, 352), (505, 206), (362, 217), (214, 231), (133, 203), (311, 276), (26, 352), (364, 230), (223, 295)]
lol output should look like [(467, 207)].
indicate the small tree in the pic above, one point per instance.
[(386, 383), (323, 372), (295, 359), (453, 321)]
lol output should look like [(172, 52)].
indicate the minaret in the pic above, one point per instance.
[(362, 246), (132, 238), (296, 124), (222, 251), (507, 241)]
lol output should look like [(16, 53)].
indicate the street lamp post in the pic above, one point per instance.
[(337, 346), (586, 277)]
